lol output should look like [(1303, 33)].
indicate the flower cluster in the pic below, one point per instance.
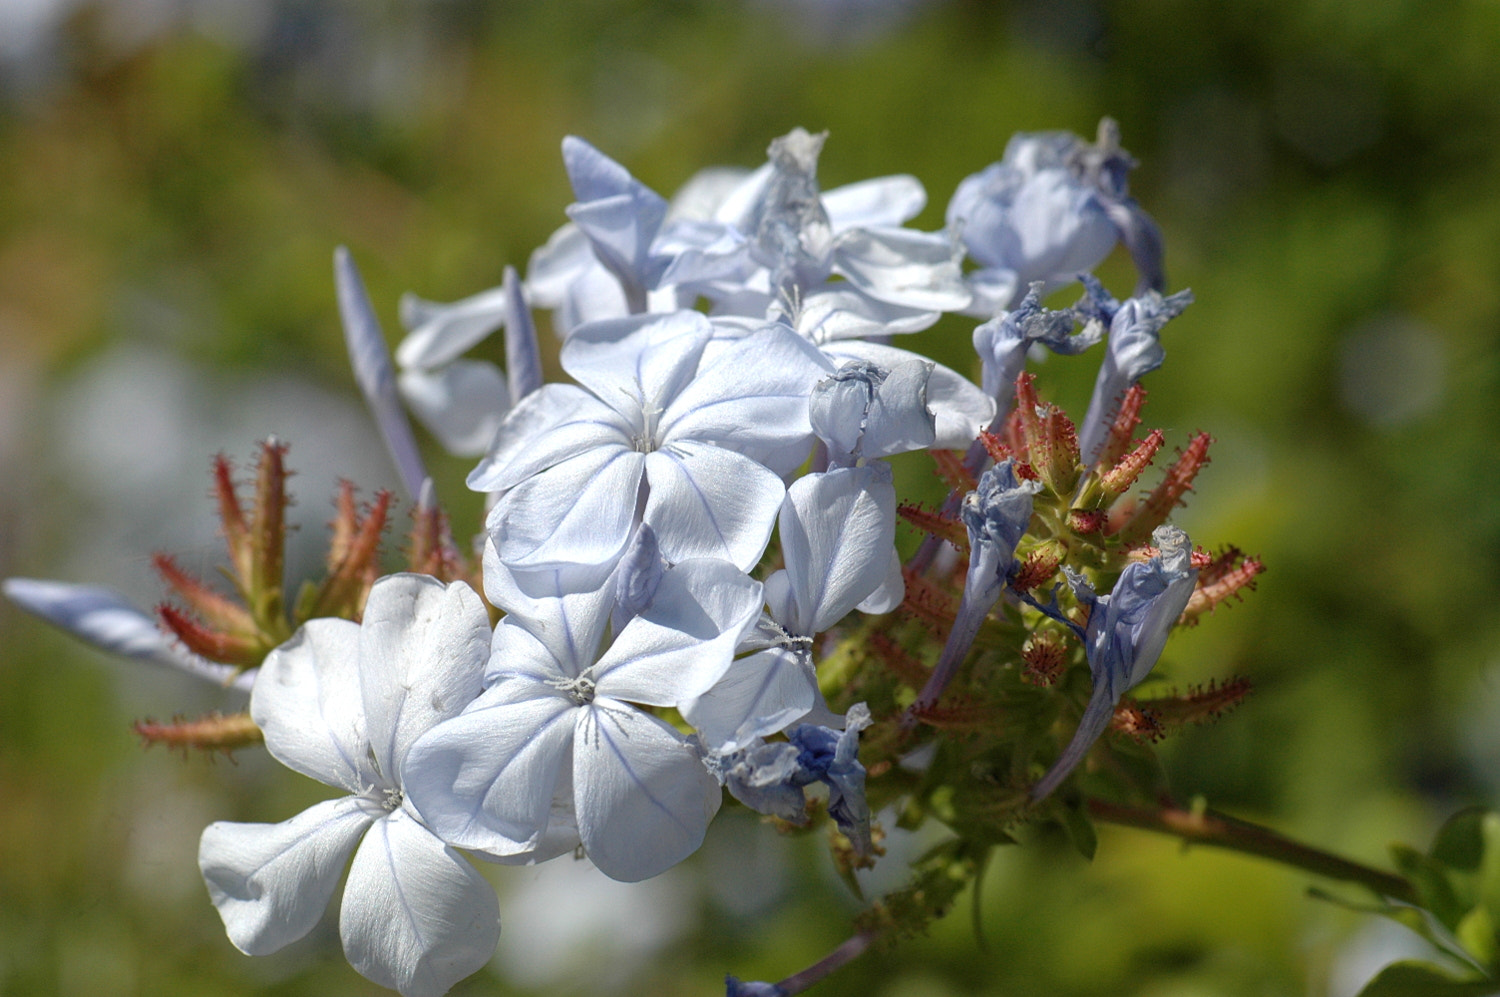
[(691, 553)]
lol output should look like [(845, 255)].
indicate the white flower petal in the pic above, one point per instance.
[(638, 363), (643, 798), (423, 646), (485, 780), (416, 917), (554, 267), (881, 201), (708, 502), (307, 702), (463, 404), (837, 533), (839, 311), (542, 608), (106, 619), (961, 407), (684, 640), (904, 267), (272, 882), (373, 372), (442, 333), (550, 425), (891, 593), (578, 512), (900, 420), (752, 397), (759, 695)]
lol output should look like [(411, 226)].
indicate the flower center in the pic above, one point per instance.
[(579, 690)]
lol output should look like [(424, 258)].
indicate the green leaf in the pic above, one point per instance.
[(1080, 831), (1476, 933), (1460, 842), (1420, 979)]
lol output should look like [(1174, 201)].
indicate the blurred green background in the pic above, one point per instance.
[(174, 175)]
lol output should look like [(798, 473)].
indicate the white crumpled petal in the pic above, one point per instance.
[(643, 798), (705, 501), (272, 882), (416, 917), (442, 333), (485, 780), (961, 407), (837, 533), (307, 701), (839, 311), (881, 201), (462, 404), (900, 420), (864, 411), (904, 267), (422, 649), (684, 640), (759, 695)]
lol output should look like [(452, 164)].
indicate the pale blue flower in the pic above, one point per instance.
[(769, 778), (560, 717), (1004, 341), (1053, 207), (342, 702), (838, 531)]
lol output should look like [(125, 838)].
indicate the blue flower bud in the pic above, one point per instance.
[(1126, 633), (1134, 351)]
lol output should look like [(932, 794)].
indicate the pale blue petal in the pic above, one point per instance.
[(684, 640), (373, 372), (308, 704), (416, 917), (485, 779), (104, 618), (272, 882), (462, 404), (423, 647), (705, 501), (643, 798)]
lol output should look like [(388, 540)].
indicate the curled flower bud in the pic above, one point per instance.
[(996, 515), (1126, 632), (1134, 351)]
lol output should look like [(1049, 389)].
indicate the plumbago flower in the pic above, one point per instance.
[(564, 715), (1051, 208), (650, 434), (343, 703), (837, 533)]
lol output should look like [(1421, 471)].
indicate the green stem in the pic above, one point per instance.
[(1209, 828)]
